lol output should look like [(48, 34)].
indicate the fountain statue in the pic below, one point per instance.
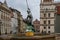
[(28, 20)]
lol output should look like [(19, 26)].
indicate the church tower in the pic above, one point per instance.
[(5, 3), (47, 12)]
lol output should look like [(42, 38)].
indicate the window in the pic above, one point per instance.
[(44, 22), (48, 21), (44, 27), (44, 15), (38, 30), (54, 21), (54, 14), (37, 27), (0, 9), (49, 27), (48, 31), (48, 14), (43, 32)]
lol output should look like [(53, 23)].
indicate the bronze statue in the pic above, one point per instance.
[(29, 19)]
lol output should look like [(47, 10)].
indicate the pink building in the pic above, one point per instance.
[(36, 24)]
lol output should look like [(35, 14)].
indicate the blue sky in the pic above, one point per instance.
[(21, 6)]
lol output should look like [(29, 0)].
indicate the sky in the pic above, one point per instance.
[(20, 5)]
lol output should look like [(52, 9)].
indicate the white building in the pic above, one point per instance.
[(47, 17), (14, 21), (5, 18)]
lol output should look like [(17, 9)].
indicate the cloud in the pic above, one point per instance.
[(57, 0), (1, 0), (21, 6)]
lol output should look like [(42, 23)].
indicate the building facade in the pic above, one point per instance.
[(20, 22), (47, 16), (14, 21), (57, 17), (36, 25), (18, 25), (23, 26), (5, 18)]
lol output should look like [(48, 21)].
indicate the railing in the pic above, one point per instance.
[(48, 10), (47, 17), (47, 24)]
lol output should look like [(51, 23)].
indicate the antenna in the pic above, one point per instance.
[(5, 2)]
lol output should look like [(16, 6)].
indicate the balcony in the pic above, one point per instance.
[(47, 17), (48, 10), (46, 24)]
